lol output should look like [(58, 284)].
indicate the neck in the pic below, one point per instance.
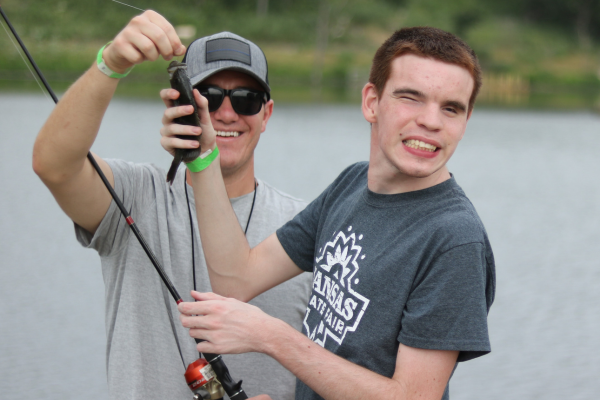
[(237, 183), (391, 181)]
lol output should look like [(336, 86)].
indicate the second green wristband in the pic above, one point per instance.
[(200, 163)]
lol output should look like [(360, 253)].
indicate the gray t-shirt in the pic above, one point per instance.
[(142, 322), (413, 268)]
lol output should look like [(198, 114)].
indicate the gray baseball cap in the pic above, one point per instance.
[(225, 51)]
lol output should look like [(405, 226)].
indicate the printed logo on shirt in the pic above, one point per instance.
[(335, 308)]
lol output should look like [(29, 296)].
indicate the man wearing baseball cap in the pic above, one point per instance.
[(147, 348)]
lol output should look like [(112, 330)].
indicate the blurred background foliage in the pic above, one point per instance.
[(535, 53)]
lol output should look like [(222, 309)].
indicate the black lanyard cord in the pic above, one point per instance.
[(187, 198)]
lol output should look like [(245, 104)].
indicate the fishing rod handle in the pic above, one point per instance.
[(233, 389)]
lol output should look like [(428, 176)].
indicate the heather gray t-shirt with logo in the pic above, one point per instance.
[(142, 322), (413, 268)]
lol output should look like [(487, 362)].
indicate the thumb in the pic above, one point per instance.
[(198, 296), (180, 51), (208, 137)]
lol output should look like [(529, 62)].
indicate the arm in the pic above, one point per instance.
[(60, 150), (234, 269), (229, 326)]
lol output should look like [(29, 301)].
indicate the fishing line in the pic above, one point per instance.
[(234, 390), (109, 187), (187, 198), (23, 58), (128, 5)]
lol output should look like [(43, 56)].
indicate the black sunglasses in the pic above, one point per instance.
[(243, 101)]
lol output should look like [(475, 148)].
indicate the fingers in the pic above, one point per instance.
[(227, 325), (173, 137), (172, 133), (146, 37), (171, 144), (175, 112), (170, 128), (171, 41), (207, 303), (168, 95), (192, 322), (151, 40)]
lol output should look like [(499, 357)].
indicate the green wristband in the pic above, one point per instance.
[(203, 161), (104, 68)]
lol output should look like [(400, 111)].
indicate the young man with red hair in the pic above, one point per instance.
[(403, 272)]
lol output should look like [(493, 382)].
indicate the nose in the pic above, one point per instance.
[(225, 112), (430, 118)]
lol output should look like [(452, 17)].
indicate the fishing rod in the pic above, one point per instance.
[(200, 375)]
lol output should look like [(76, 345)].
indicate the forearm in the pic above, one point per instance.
[(228, 326), (419, 374), (331, 376), (62, 145), (61, 148), (226, 249)]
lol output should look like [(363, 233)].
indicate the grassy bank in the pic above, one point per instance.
[(525, 64)]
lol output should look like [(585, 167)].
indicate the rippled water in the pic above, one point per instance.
[(533, 177)]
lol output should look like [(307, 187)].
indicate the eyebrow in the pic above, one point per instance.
[(458, 105), (414, 92)]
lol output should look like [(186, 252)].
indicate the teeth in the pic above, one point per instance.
[(226, 134), (417, 144)]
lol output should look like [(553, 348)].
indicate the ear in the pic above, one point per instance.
[(267, 114), (370, 102)]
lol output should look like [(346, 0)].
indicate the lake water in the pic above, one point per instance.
[(533, 177)]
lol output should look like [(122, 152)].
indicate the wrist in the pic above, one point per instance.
[(278, 338), (108, 69), (204, 160)]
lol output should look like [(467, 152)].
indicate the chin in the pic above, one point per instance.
[(227, 164), (418, 172)]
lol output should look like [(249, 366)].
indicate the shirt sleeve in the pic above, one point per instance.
[(448, 305), (298, 236), (112, 233)]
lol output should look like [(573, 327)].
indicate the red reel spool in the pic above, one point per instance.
[(199, 373)]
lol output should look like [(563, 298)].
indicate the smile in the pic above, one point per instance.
[(227, 134), (419, 145)]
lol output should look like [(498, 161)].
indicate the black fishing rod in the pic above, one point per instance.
[(196, 375)]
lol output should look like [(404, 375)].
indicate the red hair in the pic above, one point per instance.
[(425, 42)]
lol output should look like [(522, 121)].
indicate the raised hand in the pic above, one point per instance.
[(170, 130), (146, 37)]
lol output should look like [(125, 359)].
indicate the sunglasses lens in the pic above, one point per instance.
[(246, 102), (243, 101), (214, 96)]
